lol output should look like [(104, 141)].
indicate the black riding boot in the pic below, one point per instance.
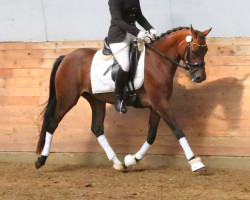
[(120, 83)]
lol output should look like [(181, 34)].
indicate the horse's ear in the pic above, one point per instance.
[(194, 32), (205, 33)]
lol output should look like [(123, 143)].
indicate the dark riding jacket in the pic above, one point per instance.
[(124, 14)]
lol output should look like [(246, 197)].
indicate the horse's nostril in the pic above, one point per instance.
[(198, 79)]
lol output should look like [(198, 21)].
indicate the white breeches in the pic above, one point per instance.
[(121, 51)]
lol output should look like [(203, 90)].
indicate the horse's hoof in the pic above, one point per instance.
[(130, 160), (38, 165), (118, 167), (196, 165), (40, 161)]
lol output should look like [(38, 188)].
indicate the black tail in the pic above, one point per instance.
[(49, 110)]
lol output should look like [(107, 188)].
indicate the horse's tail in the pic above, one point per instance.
[(49, 110)]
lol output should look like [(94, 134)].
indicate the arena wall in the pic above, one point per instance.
[(214, 114)]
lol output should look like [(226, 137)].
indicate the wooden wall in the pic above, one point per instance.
[(215, 115)]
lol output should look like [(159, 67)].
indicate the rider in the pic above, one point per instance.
[(122, 31)]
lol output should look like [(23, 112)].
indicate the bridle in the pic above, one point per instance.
[(193, 67), (189, 66)]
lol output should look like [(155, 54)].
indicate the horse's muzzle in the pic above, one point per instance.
[(199, 79), (198, 76)]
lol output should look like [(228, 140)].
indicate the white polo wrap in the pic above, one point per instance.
[(186, 148), (46, 148), (145, 147), (106, 147)]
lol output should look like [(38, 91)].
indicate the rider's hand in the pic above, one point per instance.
[(153, 34), (142, 35)]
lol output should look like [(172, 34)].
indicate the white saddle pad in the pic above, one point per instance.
[(103, 83)]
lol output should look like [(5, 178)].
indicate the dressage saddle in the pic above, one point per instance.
[(134, 56)]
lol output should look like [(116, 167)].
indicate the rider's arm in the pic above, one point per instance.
[(142, 20)]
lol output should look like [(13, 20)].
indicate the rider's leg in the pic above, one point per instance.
[(121, 53)]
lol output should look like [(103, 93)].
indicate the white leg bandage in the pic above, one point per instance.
[(106, 147), (186, 148), (145, 147), (46, 148)]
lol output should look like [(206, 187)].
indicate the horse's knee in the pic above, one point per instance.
[(151, 138), (179, 134), (153, 125), (97, 129), (152, 133), (175, 128)]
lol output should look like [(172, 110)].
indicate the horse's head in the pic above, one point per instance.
[(193, 54)]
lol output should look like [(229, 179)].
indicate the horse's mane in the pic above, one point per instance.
[(171, 31)]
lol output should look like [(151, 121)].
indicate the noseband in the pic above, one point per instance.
[(189, 66)]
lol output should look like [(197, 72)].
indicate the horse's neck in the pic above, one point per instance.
[(169, 45)]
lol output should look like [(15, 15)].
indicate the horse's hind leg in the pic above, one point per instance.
[(52, 118), (153, 125), (97, 127)]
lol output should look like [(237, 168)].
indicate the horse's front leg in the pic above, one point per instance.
[(97, 127), (153, 125), (164, 112)]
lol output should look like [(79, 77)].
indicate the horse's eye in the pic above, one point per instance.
[(194, 52)]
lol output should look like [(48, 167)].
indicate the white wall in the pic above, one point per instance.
[(22, 20), (58, 20)]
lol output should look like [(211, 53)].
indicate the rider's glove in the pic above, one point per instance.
[(153, 33), (142, 35)]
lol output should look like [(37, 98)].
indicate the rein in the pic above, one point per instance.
[(166, 57)]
